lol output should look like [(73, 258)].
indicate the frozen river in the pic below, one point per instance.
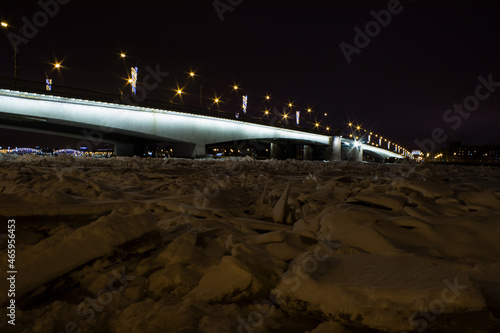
[(156, 245)]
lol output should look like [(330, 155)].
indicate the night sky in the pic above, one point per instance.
[(400, 83)]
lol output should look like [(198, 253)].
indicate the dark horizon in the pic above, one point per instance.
[(420, 62)]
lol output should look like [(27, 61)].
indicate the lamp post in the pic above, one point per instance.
[(48, 81), (133, 72), (193, 75), (244, 97), (16, 72)]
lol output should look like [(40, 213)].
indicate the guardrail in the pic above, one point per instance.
[(71, 92)]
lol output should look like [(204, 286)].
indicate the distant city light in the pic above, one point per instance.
[(4, 24)]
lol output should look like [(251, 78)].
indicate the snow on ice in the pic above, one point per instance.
[(240, 245)]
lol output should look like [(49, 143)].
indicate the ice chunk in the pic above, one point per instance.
[(377, 291), (383, 200), (223, 282), (281, 210), (59, 254), (330, 327), (427, 189)]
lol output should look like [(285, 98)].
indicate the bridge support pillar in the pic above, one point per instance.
[(355, 153), (189, 150), (124, 149), (359, 153), (307, 155), (275, 151), (336, 149)]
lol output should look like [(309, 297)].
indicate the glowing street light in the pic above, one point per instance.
[(309, 110), (133, 72), (48, 81), (193, 75), (16, 72)]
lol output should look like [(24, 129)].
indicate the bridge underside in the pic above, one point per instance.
[(132, 128), (128, 143)]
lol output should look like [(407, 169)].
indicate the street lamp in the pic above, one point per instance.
[(179, 92), (16, 72), (193, 75), (133, 72), (48, 81)]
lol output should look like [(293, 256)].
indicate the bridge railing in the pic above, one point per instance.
[(84, 94)]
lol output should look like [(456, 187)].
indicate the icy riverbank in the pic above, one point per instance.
[(151, 245)]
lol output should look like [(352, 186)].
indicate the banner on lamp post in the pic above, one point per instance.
[(245, 103), (133, 80), (48, 84)]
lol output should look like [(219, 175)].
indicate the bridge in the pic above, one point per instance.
[(189, 130)]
